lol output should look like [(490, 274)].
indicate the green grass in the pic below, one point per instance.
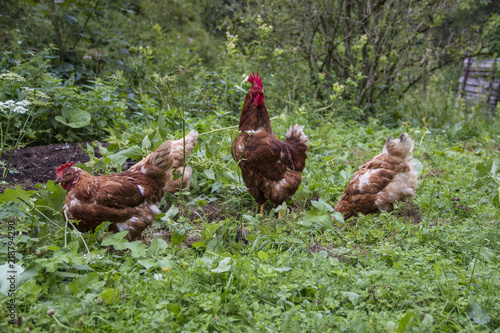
[(433, 266)]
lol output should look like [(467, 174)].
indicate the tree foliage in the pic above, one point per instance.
[(373, 48)]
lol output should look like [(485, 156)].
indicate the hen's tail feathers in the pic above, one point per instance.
[(163, 156), (178, 148), (158, 163), (173, 185)]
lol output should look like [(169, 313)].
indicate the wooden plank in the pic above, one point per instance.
[(483, 63), (476, 89), (475, 98), (480, 82)]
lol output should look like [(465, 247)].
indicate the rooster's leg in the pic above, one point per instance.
[(262, 208), (279, 215)]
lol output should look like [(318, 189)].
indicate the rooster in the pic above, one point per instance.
[(131, 199), (385, 179), (271, 169)]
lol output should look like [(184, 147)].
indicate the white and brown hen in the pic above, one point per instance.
[(382, 181), (130, 199)]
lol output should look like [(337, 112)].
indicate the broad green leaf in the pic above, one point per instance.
[(162, 126), (477, 314), (16, 195), (74, 117), (178, 236), (174, 308), (117, 160), (318, 218), (110, 295), (172, 212), (81, 283), (146, 143), (134, 152), (321, 205), (352, 296), (28, 273), (157, 247), (437, 271), (165, 263), (147, 263), (403, 322), (428, 320), (339, 218), (418, 167), (138, 249), (199, 244), (117, 240), (210, 174), (224, 265), (208, 231), (263, 256)]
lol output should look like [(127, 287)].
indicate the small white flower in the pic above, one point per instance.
[(12, 77), (92, 257), (417, 131), (159, 277), (428, 132)]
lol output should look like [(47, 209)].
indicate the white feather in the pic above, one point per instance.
[(122, 226), (141, 189)]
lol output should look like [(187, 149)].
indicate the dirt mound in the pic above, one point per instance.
[(34, 165)]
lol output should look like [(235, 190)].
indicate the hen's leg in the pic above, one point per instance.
[(262, 208), (279, 215)]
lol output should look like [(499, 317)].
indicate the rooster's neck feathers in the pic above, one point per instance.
[(254, 117)]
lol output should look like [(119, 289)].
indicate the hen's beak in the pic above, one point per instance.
[(388, 139), (402, 136), (58, 180)]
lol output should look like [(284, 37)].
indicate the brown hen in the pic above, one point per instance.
[(130, 199), (385, 179), (271, 169)]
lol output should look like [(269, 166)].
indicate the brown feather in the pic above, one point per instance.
[(271, 169), (385, 179), (130, 199)]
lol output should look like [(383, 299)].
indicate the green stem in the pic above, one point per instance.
[(16, 144), (225, 128), (183, 139), (4, 143)]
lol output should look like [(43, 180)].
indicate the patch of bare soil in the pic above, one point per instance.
[(211, 213), (411, 213), (38, 164)]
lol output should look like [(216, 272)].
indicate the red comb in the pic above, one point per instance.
[(60, 170), (255, 80)]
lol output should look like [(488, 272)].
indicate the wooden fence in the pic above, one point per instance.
[(480, 80)]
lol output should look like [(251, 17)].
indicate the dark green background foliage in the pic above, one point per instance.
[(134, 73)]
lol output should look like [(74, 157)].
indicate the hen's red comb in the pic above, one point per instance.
[(255, 80), (60, 170)]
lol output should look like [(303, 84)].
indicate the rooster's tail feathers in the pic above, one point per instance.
[(296, 132)]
